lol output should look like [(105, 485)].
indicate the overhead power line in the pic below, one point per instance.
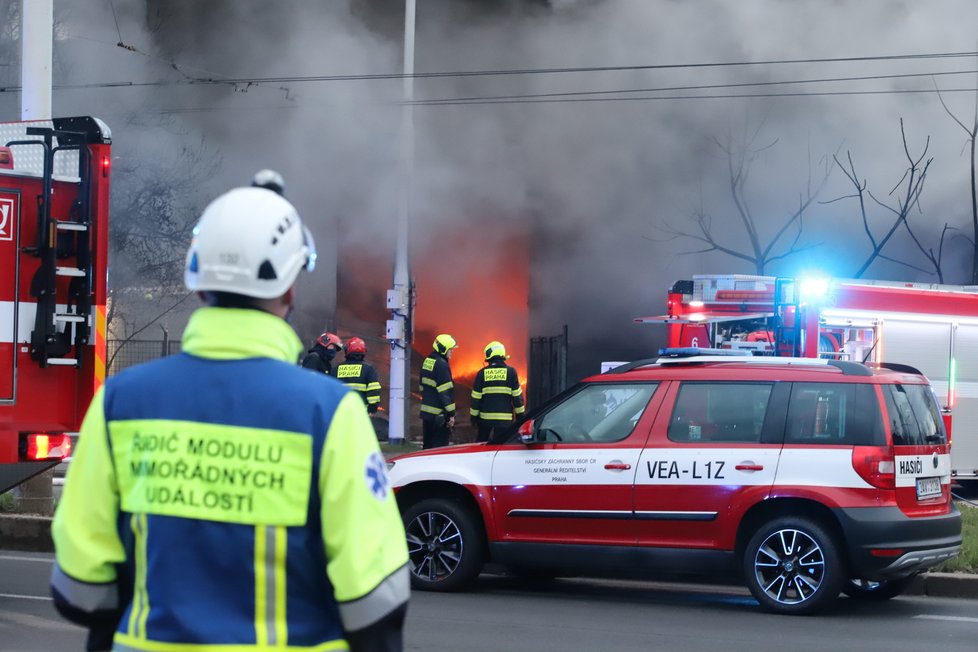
[(238, 81), (697, 87), (728, 96)]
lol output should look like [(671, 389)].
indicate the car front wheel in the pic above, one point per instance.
[(793, 566), (446, 544)]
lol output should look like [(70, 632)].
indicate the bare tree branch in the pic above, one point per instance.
[(971, 140), (912, 181)]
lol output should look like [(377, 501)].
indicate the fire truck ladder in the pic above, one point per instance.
[(58, 240), (786, 302)]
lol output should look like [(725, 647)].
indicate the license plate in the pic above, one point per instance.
[(928, 487)]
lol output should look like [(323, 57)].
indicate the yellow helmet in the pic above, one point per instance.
[(495, 349), (444, 343)]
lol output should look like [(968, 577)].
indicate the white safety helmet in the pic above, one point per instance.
[(249, 241)]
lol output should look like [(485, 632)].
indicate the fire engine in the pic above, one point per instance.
[(54, 202), (931, 327)]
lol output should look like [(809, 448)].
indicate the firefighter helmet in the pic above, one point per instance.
[(495, 349), (270, 180), (327, 340), (444, 343), (355, 345), (249, 241)]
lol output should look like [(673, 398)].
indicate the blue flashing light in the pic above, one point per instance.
[(813, 288)]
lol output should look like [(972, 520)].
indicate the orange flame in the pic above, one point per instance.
[(477, 297), (476, 290)]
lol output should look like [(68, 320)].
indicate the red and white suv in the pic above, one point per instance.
[(810, 477)]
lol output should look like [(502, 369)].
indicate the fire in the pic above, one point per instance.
[(477, 297), (473, 287)]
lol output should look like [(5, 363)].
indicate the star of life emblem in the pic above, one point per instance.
[(376, 476)]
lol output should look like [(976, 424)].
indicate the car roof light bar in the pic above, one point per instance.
[(692, 351)]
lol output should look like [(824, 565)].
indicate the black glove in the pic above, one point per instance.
[(100, 637), (386, 635), (475, 421)]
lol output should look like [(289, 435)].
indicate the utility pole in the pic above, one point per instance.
[(400, 299), (36, 496), (37, 34)]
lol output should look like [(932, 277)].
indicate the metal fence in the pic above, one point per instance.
[(126, 353), (547, 375)]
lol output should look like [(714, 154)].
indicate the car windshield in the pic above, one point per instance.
[(600, 412)]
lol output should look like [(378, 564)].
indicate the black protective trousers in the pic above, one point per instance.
[(488, 428), (435, 432)]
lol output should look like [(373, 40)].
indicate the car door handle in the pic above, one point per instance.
[(617, 466), (749, 467)]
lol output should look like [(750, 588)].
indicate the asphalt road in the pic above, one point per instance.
[(503, 613)]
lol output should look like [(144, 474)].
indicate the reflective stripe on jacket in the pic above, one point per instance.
[(242, 499), (361, 378), (496, 393), (437, 387)]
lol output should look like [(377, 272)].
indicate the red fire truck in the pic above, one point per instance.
[(931, 327), (54, 204)]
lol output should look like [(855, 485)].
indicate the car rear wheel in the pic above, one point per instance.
[(878, 590), (446, 544), (793, 566)]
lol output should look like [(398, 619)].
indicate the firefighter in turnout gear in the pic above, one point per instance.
[(438, 393), (497, 398), (358, 375), (223, 498), (320, 356)]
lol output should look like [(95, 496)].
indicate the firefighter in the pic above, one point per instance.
[(222, 498), (438, 393), (497, 397), (358, 375), (270, 180), (320, 356)]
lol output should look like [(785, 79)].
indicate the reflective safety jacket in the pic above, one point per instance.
[(437, 388), (362, 378), (241, 500), (496, 393)]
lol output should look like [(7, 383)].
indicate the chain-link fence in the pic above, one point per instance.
[(126, 353)]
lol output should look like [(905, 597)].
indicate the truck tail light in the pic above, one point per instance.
[(106, 165), (46, 447), (876, 465)]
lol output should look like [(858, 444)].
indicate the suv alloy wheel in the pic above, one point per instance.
[(792, 566), (446, 544)]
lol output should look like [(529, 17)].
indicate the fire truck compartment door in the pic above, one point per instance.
[(9, 273), (964, 414), (920, 344)]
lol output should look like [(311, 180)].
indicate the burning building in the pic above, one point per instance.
[(475, 288)]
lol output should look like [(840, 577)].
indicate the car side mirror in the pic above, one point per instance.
[(525, 431)]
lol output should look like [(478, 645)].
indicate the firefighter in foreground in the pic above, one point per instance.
[(438, 393), (358, 375), (497, 397), (223, 498), (320, 356)]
